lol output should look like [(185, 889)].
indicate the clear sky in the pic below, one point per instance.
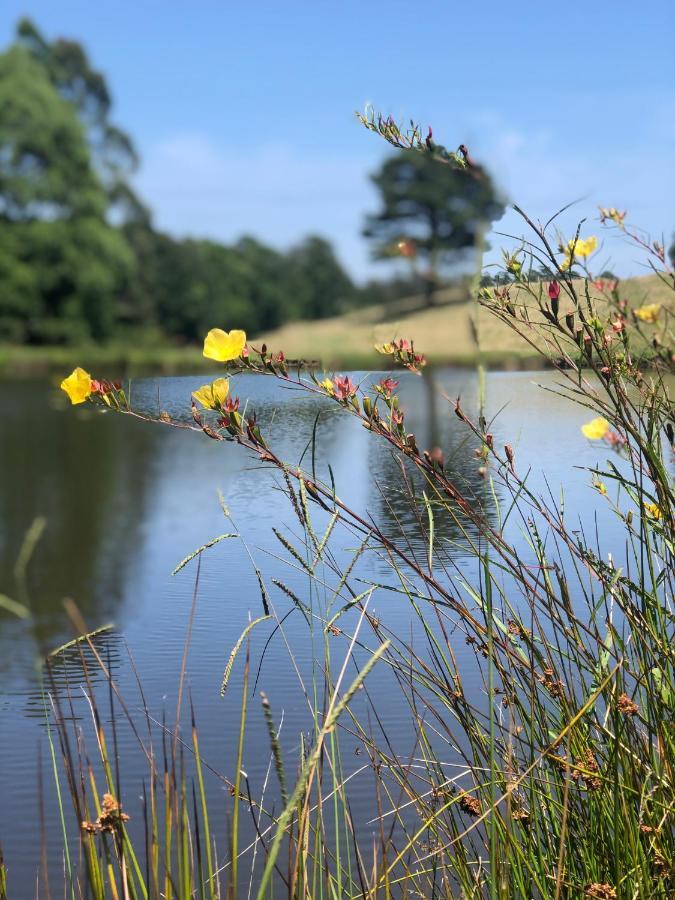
[(243, 112)]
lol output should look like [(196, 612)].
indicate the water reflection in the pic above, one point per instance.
[(430, 417), (77, 664), (88, 474), (126, 501)]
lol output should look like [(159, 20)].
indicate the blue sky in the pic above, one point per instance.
[(243, 112)]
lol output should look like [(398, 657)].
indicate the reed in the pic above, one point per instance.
[(555, 778)]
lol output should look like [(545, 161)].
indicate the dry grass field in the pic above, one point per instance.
[(444, 333)]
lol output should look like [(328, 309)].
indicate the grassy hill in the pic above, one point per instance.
[(443, 333)]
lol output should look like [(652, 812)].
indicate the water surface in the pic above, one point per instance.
[(124, 502)]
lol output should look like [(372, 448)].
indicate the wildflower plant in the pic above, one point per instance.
[(555, 781)]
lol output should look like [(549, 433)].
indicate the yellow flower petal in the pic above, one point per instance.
[(653, 510), (327, 385), (77, 385), (224, 346), (648, 313), (212, 396), (596, 429), (582, 246)]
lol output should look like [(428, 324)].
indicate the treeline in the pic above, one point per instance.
[(183, 286), (79, 256)]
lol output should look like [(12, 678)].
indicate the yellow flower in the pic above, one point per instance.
[(212, 396), (581, 247), (223, 346), (383, 348), (653, 510), (596, 429), (77, 385), (648, 313), (600, 487), (327, 385)]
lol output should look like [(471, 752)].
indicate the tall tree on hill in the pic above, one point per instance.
[(432, 211)]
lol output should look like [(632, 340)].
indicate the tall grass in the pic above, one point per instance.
[(553, 777)]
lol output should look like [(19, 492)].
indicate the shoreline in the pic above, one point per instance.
[(114, 361)]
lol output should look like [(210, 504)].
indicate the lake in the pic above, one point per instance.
[(125, 502)]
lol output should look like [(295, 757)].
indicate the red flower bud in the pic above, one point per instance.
[(553, 290)]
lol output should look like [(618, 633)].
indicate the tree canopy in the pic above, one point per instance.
[(434, 212), (60, 260), (80, 258)]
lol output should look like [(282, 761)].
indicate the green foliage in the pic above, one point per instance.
[(45, 168), (539, 761), (79, 258), (317, 284), (442, 210), (60, 261), (69, 70), (543, 756), (60, 277)]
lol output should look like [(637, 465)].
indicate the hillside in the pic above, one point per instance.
[(443, 333)]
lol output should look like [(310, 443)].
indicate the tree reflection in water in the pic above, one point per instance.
[(434, 424)]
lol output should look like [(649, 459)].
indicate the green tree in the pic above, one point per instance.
[(60, 260), (79, 257), (318, 286), (265, 277), (190, 286), (439, 212), (113, 154)]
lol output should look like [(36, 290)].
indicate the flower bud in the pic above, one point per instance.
[(508, 449), (553, 290)]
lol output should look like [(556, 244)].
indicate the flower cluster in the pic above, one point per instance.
[(341, 387), (110, 820), (403, 352), (613, 215), (386, 387)]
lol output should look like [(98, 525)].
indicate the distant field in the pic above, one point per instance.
[(443, 333)]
